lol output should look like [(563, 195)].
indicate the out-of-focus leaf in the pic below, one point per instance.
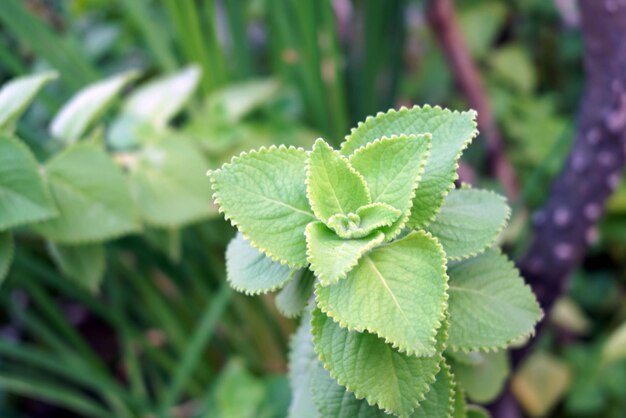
[(238, 393), (482, 375), (84, 264), (17, 94), (159, 100), (24, 198), (540, 383), (6, 254), (480, 23), (615, 347), (514, 67), (234, 102), (568, 315), (169, 184), (76, 116)]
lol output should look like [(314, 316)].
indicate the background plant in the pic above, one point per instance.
[(354, 58)]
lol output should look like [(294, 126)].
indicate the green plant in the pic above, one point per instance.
[(405, 281)]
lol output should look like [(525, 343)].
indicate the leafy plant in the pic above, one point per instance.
[(400, 264)]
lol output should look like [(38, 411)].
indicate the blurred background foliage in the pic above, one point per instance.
[(145, 325)]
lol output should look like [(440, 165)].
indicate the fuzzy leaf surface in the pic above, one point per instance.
[(84, 264), (392, 167), (250, 271), (469, 222), (331, 256), (292, 299), (490, 305), (440, 398), (333, 186), (6, 253), (371, 368), (451, 133), (263, 193), (23, 196), (92, 196), (303, 363), (71, 122), (169, 186), (397, 291), (17, 94), (362, 223)]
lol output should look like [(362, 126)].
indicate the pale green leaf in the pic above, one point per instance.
[(233, 102), (92, 196), (17, 94), (391, 167), (451, 133), (159, 100), (460, 404), (76, 116), (397, 291), (293, 298), (373, 369), (440, 398), (469, 222), (23, 196), (614, 348), (333, 186), (303, 363), (483, 379), (475, 411), (333, 401), (366, 219), (263, 193), (331, 256), (168, 184), (84, 264), (490, 306), (6, 254), (238, 393), (250, 271)]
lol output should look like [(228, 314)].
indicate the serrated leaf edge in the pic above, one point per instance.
[(218, 201), (375, 241), (274, 288), (400, 348), (505, 222), (507, 343), (359, 395), (407, 213), (350, 168)]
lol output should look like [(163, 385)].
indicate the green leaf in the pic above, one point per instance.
[(366, 219), (475, 411), (391, 167), (6, 254), (23, 196), (168, 184), (75, 117), (17, 94), (440, 398), (263, 194), (333, 401), (397, 291), (293, 298), (303, 363), (373, 369), (614, 348), (469, 222), (331, 256), (233, 102), (250, 271), (451, 133), (238, 393), (159, 100), (482, 375), (84, 264), (333, 186), (92, 196), (460, 405), (490, 306)]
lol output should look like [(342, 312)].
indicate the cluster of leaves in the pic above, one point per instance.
[(404, 278)]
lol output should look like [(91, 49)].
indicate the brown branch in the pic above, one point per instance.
[(566, 223), (442, 18)]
